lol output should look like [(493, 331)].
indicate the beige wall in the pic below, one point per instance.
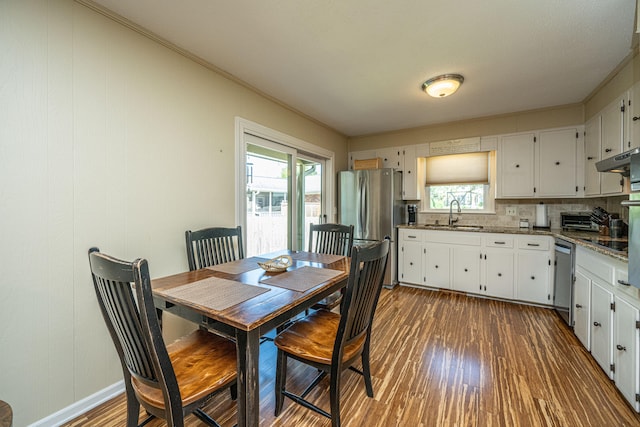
[(107, 139)]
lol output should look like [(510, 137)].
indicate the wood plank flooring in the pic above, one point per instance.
[(445, 359)]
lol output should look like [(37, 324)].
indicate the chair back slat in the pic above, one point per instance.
[(335, 239), (368, 265), (213, 246)]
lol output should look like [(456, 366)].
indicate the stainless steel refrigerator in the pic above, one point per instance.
[(634, 221), (371, 200)]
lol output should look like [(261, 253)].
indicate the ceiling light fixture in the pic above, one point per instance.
[(444, 85)]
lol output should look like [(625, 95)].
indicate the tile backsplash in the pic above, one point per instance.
[(527, 209)]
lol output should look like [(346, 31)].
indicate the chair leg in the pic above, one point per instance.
[(133, 406), (281, 380), (366, 371), (334, 397), (234, 391)]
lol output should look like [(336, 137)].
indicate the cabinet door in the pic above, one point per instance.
[(601, 326), (557, 163), (532, 283), (498, 281), (592, 155), (391, 157), (612, 142), (634, 116), (626, 351), (465, 267), (515, 173), (582, 306), (411, 262), (437, 265), (409, 174)]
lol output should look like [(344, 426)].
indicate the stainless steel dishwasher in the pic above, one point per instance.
[(563, 280)]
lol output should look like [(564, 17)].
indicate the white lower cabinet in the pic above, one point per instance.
[(582, 308), (602, 326), (465, 268), (626, 351), (411, 262), (437, 265), (610, 328)]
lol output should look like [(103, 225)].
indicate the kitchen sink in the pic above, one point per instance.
[(467, 227)]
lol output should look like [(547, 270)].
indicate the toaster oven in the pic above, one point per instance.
[(579, 221)]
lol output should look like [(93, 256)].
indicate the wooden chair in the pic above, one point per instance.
[(333, 342), (335, 239), (168, 381), (213, 246)]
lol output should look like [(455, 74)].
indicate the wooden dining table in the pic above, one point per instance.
[(242, 300)]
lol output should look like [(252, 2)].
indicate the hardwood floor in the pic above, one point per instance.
[(445, 359)]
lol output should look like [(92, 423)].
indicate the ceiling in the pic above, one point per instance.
[(358, 65)]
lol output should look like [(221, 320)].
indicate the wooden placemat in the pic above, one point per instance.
[(302, 279), (313, 257), (215, 293), (239, 266)]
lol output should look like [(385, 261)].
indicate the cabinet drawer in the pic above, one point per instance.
[(499, 241), (538, 243), (596, 264), (407, 235)]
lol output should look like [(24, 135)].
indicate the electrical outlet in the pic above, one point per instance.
[(512, 211)]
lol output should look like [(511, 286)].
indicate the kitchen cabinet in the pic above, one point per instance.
[(391, 157), (437, 265), (498, 259), (410, 189), (582, 308), (633, 117), (591, 156), (516, 165), (612, 143), (602, 325), (626, 342), (410, 256), (465, 268), (534, 273), (557, 163)]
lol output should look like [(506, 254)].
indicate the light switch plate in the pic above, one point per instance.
[(512, 211)]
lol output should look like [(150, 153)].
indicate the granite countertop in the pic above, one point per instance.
[(574, 237)]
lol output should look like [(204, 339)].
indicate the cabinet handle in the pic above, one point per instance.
[(636, 118), (533, 244), (466, 270), (517, 166), (578, 305), (436, 266), (624, 283), (589, 158), (499, 274), (557, 163), (608, 150), (499, 243), (621, 348), (597, 324), (410, 263), (533, 277), (412, 237)]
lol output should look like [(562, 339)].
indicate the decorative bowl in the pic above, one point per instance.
[(277, 264)]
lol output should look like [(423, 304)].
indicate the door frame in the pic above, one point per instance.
[(243, 126)]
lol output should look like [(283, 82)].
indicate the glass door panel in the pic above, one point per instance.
[(310, 197), (269, 196)]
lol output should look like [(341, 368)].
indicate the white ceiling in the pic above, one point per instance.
[(358, 65)]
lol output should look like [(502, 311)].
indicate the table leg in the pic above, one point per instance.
[(248, 348)]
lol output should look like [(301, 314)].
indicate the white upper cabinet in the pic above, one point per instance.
[(612, 143), (633, 116), (591, 156), (391, 157), (360, 155), (516, 166), (557, 165)]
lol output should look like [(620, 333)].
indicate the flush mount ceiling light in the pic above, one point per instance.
[(443, 85)]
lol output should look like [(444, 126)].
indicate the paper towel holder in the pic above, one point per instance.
[(542, 217)]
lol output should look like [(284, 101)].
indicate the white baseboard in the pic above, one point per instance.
[(80, 407)]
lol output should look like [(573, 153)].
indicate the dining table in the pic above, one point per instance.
[(243, 301)]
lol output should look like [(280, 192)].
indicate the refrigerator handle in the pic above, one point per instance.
[(363, 206), (630, 203)]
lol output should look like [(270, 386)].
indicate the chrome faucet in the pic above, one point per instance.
[(451, 220)]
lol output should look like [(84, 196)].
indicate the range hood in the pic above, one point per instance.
[(618, 163)]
